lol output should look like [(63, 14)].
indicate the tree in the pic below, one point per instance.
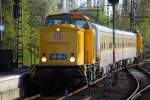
[(143, 24)]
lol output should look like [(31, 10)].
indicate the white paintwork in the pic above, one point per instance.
[(106, 56)]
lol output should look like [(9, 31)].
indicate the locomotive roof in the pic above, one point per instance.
[(121, 32), (71, 15)]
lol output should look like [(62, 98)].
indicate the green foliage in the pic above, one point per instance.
[(34, 12), (144, 25), (27, 56), (144, 28), (8, 22), (102, 19)]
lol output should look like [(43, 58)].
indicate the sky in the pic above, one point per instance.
[(81, 2), (110, 8)]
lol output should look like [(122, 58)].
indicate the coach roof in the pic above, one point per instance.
[(106, 29)]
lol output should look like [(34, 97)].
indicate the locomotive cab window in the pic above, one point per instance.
[(80, 23), (50, 22)]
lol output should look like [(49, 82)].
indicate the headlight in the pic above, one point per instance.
[(72, 59), (44, 59)]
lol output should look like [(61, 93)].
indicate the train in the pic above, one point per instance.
[(74, 49)]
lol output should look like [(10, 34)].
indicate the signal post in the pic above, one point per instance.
[(110, 79)]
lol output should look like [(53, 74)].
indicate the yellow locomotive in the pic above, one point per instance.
[(73, 48)]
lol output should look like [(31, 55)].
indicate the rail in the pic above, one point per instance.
[(140, 92), (33, 97), (145, 88), (137, 88), (85, 87), (137, 91), (78, 91)]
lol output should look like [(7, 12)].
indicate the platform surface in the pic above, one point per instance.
[(13, 79)]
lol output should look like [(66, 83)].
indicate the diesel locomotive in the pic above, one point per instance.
[(73, 48)]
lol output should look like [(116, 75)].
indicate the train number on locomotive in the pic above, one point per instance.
[(58, 56)]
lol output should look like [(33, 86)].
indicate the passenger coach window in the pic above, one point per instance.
[(79, 23), (53, 22)]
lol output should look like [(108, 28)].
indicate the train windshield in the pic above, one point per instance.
[(53, 22), (79, 23)]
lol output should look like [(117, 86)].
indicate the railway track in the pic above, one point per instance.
[(141, 76), (146, 55), (144, 94), (124, 88), (66, 93), (143, 80), (99, 91), (61, 97)]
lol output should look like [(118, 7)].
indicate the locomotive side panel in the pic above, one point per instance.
[(80, 47), (89, 46)]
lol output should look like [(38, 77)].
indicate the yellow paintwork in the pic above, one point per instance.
[(80, 47), (72, 42), (89, 46), (76, 40), (139, 44)]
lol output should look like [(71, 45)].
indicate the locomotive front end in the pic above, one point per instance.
[(66, 47), (61, 45), (61, 56)]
